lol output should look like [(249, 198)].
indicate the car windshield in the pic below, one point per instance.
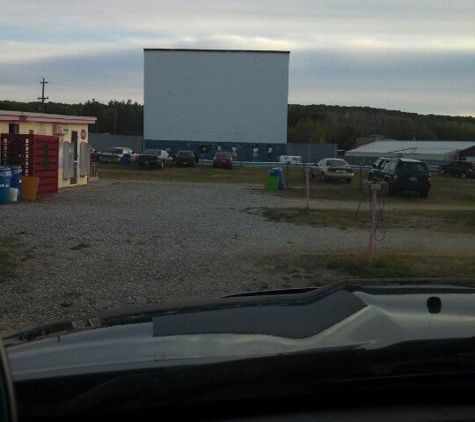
[(337, 163), (153, 151), (237, 210), (413, 166)]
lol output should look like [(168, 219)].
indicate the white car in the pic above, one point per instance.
[(332, 169), (116, 155)]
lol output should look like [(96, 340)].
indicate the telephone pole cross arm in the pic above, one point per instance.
[(43, 98)]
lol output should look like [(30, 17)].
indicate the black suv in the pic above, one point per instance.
[(185, 158), (377, 166), (461, 169), (403, 175)]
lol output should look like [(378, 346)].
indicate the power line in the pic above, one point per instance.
[(43, 98)]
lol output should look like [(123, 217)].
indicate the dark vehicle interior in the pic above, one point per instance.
[(350, 378)]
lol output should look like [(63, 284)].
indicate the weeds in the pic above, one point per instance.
[(388, 264), (9, 248), (448, 221)]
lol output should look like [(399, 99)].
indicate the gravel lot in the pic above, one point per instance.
[(116, 244)]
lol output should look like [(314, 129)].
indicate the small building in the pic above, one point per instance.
[(64, 146), (431, 151)]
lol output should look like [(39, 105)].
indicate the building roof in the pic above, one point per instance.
[(24, 116), (208, 50), (436, 150)]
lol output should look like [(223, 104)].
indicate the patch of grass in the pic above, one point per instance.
[(12, 252), (445, 190), (198, 174), (450, 190), (448, 221), (8, 251), (398, 265), (8, 242), (7, 266), (385, 264)]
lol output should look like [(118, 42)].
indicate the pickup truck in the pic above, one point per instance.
[(116, 155), (158, 158), (461, 169)]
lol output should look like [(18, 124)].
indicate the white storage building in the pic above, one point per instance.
[(422, 150), (215, 96)]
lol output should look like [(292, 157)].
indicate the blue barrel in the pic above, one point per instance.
[(126, 159), (16, 179), (5, 183)]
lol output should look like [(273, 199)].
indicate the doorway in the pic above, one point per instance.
[(74, 144)]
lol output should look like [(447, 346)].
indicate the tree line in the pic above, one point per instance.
[(305, 124), (116, 117)]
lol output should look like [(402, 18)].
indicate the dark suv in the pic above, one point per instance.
[(461, 169), (377, 166), (185, 158), (404, 175)]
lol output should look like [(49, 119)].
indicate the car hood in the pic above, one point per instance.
[(357, 315)]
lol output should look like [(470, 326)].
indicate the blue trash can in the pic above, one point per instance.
[(277, 171), (126, 159), (16, 179), (5, 184)]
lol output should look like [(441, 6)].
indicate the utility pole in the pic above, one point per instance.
[(43, 98)]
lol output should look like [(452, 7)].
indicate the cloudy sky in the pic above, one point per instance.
[(408, 55)]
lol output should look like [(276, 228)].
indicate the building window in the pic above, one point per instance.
[(14, 128)]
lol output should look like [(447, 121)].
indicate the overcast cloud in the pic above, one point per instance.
[(413, 56)]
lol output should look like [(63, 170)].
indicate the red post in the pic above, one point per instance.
[(375, 188), (307, 184)]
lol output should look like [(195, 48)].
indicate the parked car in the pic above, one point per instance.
[(116, 155), (95, 154), (462, 169), (158, 158), (172, 155), (332, 169), (377, 165), (223, 159), (185, 158), (405, 175)]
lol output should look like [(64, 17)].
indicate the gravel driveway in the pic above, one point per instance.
[(116, 244)]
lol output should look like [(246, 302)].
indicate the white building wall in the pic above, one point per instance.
[(216, 95)]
